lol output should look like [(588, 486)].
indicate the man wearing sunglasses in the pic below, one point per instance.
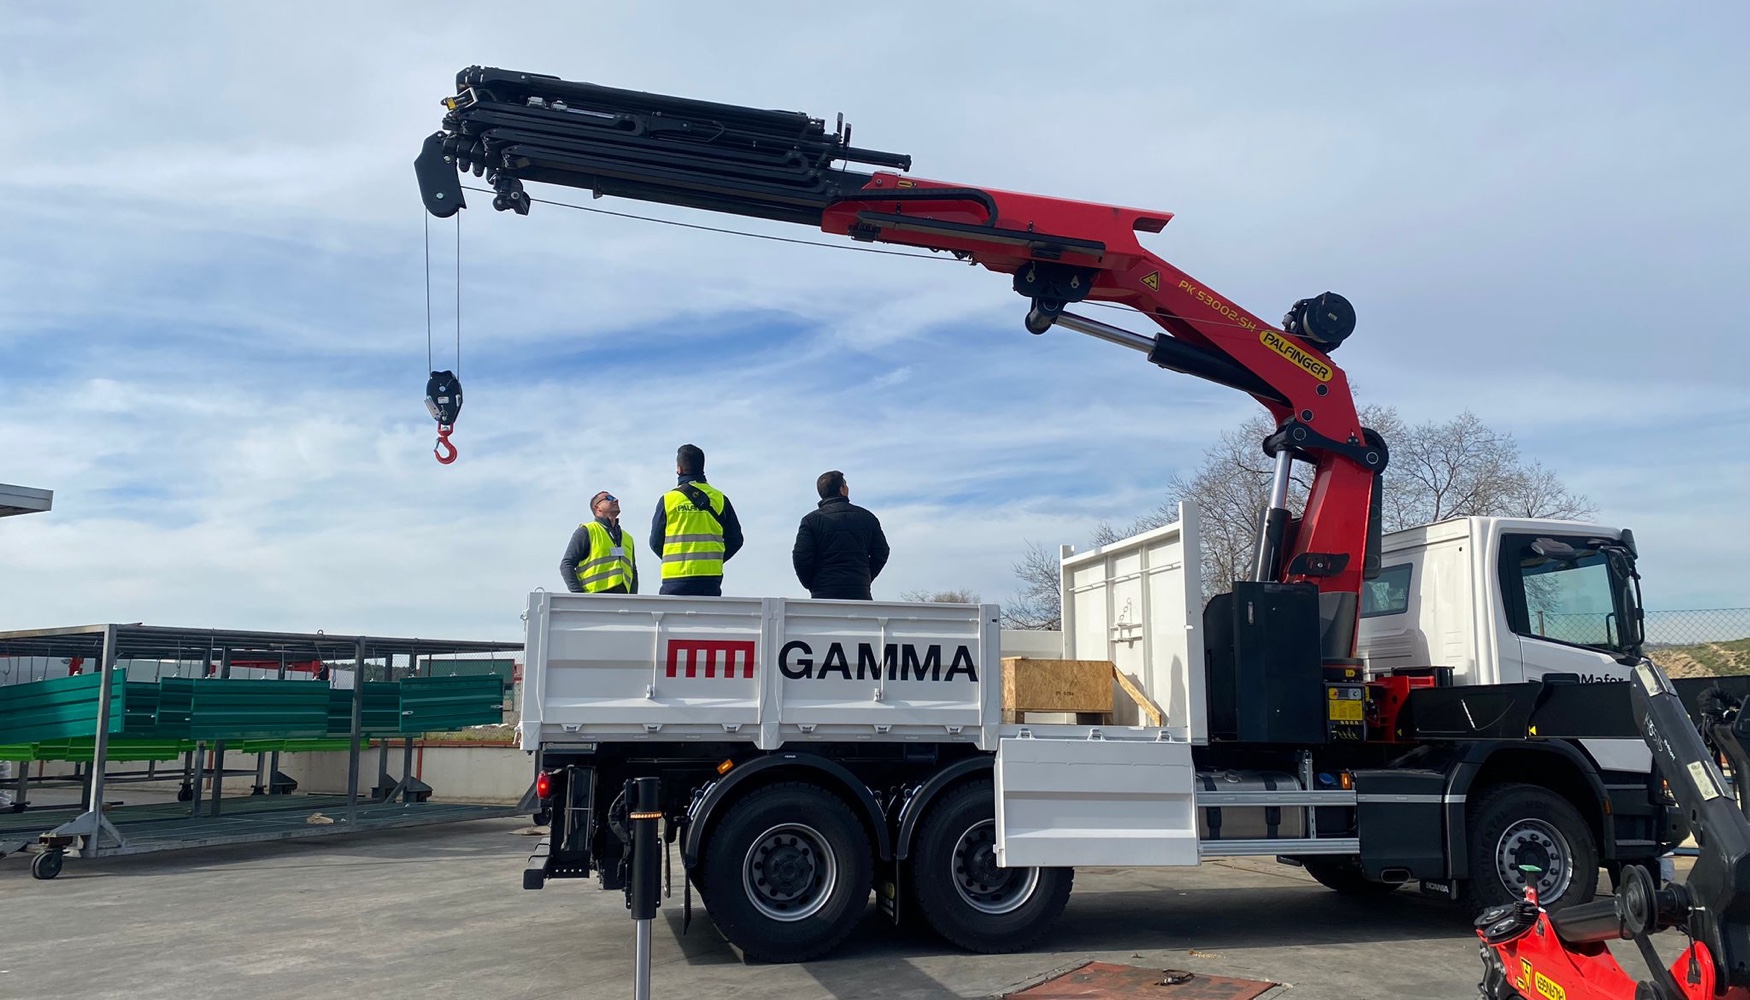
[(599, 559)]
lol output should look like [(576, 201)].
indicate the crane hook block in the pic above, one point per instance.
[(443, 400), (443, 397)]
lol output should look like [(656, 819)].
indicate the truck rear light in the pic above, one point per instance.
[(543, 785)]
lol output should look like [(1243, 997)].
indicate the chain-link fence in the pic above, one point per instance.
[(1701, 642), (1686, 643)]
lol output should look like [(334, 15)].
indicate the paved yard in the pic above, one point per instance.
[(440, 912)]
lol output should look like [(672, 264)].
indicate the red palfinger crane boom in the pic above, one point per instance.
[(514, 127)]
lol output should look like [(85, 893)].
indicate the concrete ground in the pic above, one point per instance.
[(440, 912)]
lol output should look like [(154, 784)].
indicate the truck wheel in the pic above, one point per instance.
[(787, 873), (1346, 879), (1525, 835), (962, 894)]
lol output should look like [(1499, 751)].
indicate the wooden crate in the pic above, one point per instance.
[(1034, 685), (1081, 687)]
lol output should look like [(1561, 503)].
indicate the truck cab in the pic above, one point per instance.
[(1503, 601)]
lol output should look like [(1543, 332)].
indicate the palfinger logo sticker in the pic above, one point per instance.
[(1548, 988), (1278, 342)]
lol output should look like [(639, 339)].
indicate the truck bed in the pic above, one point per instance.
[(764, 670)]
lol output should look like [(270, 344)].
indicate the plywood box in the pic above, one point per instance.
[(1035, 685)]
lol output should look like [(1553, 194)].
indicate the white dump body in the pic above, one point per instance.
[(767, 670), (1139, 603)]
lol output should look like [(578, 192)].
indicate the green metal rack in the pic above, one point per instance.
[(210, 708), (61, 708), (103, 717)]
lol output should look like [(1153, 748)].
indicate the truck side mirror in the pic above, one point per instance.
[(1633, 628)]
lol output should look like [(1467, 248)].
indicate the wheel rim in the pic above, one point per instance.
[(981, 884), (1532, 852), (790, 872)]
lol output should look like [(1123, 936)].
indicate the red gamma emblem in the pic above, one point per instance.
[(693, 654)]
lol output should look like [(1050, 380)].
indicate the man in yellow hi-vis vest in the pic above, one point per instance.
[(600, 559), (695, 530)]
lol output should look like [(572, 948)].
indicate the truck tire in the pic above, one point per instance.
[(1344, 878), (787, 873), (961, 893), (1522, 835)]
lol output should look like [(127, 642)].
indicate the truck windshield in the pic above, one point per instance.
[(1572, 602)]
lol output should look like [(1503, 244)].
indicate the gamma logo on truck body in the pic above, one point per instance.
[(895, 661), (710, 657)]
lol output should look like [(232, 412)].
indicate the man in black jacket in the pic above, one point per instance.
[(839, 547)]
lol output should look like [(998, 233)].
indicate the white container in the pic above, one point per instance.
[(1139, 603)]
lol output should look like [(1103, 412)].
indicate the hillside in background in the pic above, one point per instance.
[(1703, 659)]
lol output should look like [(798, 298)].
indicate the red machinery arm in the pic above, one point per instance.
[(780, 165)]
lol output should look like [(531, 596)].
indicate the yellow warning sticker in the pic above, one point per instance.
[(1524, 980), (1343, 710), (1153, 280), (1279, 343), (1548, 989)]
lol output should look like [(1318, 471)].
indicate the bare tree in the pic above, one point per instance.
[(1037, 605), (1458, 468), (961, 596)]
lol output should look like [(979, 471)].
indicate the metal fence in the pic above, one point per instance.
[(1677, 628), (1664, 628), (1700, 642)]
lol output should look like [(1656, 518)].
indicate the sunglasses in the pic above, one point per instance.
[(605, 496)]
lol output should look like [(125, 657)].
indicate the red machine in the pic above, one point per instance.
[(1529, 952)]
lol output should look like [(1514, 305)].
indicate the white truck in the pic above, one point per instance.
[(813, 751), (1379, 713)]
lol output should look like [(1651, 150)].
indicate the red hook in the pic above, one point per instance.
[(444, 450)]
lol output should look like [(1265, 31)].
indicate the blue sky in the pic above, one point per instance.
[(212, 309)]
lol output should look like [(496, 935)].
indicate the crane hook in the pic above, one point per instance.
[(444, 451)]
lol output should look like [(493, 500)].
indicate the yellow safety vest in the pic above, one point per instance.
[(610, 565), (693, 542)]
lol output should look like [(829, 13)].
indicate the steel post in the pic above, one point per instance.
[(188, 773), (358, 715), (407, 740), (382, 788), (641, 963), (100, 745), (200, 771), (273, 768), (642, 888), (219, 745)]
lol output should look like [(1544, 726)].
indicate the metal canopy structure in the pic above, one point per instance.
[(24, 500), (108, 645), (150, 642)]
